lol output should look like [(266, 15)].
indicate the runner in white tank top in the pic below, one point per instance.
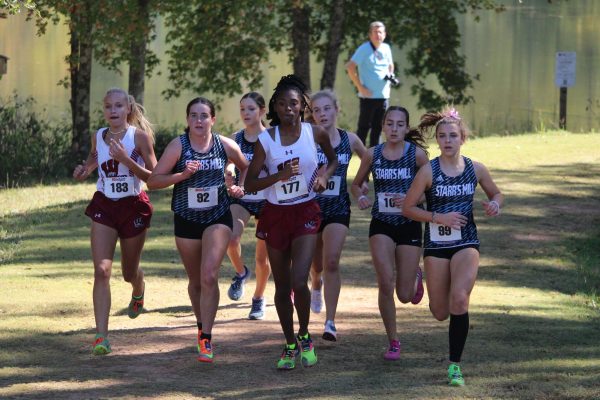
[(290, 219), (119, 210)]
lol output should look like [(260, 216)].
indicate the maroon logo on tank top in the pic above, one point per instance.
[(110, 168), (283, 164)]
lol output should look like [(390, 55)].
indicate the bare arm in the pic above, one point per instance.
[(162, 175), (235, 156), (83, 170), (360, 180), (143, 144), (353, 74), (253, 183), (495, 197)]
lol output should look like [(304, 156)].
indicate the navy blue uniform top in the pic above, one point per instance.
[(211, 174), (253, 207), (392, 176), (452, 194), (335, 200)]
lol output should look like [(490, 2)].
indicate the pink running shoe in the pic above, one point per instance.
[(420, 290), (393, 352)]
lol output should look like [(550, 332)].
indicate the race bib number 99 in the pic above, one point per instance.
[(442, 233), (202, 198), (118, 187)]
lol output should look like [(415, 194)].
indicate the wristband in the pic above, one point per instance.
[(433, 217)]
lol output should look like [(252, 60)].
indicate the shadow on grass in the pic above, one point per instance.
[(530, 245), (542, 353)]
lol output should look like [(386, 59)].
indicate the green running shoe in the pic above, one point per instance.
[(455, 377), (101, 345), (308, 354), (136, 306), (288, 358)]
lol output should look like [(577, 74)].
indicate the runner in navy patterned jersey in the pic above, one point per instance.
[(195, 163), (335, 210), (394, 239), (451, 243), (252, 110)]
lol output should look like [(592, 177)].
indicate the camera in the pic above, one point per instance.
[(393, 80)]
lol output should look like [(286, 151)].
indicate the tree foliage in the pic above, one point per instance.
[(218, 46)]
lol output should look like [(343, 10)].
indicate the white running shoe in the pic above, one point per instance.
[(330, 331)]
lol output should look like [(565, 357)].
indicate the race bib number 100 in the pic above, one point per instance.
[(201, 198), (333, 187), (442, 233)]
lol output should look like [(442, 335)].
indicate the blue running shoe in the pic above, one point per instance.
[(258, 309), (236, 290)]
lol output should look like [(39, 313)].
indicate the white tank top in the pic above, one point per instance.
[(115, 180), (297, 189)]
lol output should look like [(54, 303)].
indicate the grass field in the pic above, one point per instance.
[(535, 317)]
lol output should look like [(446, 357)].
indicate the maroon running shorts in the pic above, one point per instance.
[(279, 225), (129, 216)]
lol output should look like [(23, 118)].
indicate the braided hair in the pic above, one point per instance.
[(288, 82), (414, 135), (448, 115)]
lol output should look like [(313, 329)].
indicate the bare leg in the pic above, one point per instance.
[(103, 243)]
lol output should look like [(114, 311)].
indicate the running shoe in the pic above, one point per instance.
[(308, 354), (420, 290), (316, 301), (199, 339), (101, 345), (236, 290), (258, 309), (205, 353), (330, 331), (136, 306), (455, 377), (393, 352), (287, 360)]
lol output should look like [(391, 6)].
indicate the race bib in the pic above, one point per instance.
[(254, 196), (333, 187), (118, 187), (202, 198), (386, 203), (442, 233), (292, 188)]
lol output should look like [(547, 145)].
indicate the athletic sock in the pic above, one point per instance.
[(199, 325), (205, 336), (457, 334), (141, 296)]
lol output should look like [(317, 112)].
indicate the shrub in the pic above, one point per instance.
[(33, 149)]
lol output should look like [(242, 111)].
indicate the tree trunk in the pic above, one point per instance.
[(301, 41), (137, 60), (80, 61), (336, 34)]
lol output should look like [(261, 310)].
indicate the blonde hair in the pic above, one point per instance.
[(136, 116), (325, 93)]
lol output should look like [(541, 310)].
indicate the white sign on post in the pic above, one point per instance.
[(565, 69)]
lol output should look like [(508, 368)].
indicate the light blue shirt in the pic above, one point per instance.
[(373, 66)]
